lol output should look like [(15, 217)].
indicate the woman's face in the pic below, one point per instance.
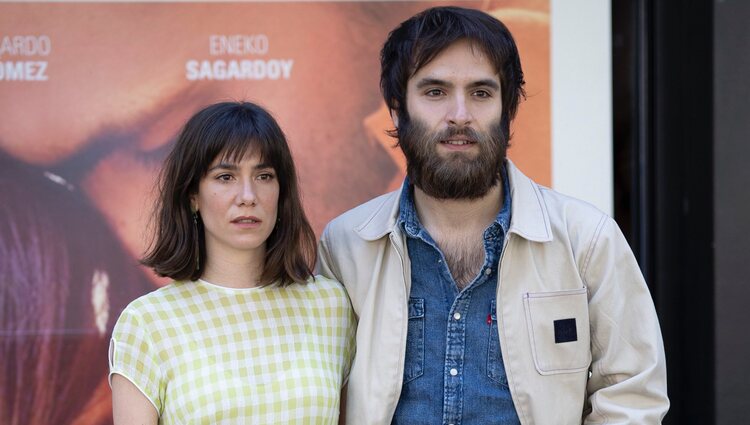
[(238, 203)]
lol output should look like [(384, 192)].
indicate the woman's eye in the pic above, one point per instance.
[(224, 177), (266, 176)]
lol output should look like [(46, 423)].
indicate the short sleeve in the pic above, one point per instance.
[(133, 356), (350, 341)]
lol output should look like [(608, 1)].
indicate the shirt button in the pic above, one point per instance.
[(457, 316), (454, 372), (487, 271)]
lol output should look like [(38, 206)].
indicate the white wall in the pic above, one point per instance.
[(582, 100)]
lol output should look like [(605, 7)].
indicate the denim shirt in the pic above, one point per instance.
[(452, 340)]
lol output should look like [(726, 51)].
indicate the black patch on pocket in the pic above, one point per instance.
[(565, 331)]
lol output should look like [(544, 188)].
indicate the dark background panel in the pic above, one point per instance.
[(732, 209), (663, 106)]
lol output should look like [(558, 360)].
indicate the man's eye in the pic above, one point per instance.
[(434, 92), (482, 93)]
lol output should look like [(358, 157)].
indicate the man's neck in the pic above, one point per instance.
[(458, 216)]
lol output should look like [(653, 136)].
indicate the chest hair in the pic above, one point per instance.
[(464, 254)]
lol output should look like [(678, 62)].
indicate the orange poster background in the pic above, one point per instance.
[(79, 153)]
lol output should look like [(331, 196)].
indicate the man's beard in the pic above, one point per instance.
[(458, 175)]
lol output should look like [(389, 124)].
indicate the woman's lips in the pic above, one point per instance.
[(247, 221)]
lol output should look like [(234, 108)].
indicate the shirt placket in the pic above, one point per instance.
[(456, 339), (454, 359)]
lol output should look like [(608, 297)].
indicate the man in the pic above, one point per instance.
[(482, 297)]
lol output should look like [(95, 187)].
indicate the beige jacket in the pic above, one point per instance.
[(562, 259)]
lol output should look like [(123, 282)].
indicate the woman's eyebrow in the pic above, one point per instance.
[(223, 166)]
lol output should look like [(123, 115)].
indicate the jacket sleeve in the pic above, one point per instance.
[(324, 264), (628, 382)]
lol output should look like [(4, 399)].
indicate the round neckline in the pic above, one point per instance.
[(230, 289)]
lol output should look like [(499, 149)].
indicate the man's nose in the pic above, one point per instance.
[(459, 114)]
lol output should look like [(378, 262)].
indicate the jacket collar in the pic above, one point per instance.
[(529, 217)]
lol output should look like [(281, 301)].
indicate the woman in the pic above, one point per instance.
[(244, 334)]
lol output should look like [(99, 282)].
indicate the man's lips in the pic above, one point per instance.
[(458, 142)]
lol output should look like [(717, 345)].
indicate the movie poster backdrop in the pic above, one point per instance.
[(91, 98)]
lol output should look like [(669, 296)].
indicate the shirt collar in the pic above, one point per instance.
[(409, 220)]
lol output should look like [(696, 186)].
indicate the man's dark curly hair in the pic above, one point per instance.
[(419, 39)]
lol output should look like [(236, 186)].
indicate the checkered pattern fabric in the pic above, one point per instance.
[(203, 353)]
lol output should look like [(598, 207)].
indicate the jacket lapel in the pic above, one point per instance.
[(383, 220), (529, 217)]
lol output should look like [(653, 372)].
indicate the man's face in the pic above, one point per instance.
[(452, 138)]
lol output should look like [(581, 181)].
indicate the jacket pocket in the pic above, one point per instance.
[(558, 326), (495, 366), (414, 361)]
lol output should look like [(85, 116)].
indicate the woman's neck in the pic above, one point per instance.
[(235, 271)]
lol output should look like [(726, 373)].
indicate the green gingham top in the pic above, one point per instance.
[(203, 353)]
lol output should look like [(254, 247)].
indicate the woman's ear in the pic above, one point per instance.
[(194, 203)]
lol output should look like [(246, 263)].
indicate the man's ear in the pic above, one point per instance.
[(394, 118)]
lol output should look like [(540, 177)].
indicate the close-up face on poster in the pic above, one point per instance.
[(92, 96)]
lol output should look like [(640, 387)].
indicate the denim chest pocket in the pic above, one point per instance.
[(495, 366), (558, 326), (414, 361)]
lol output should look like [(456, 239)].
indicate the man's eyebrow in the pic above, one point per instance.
[(424, 82), (486, 83)]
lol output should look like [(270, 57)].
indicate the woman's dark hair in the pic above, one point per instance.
[(230, 129), (419, 39)]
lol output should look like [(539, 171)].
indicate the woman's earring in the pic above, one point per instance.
[(196, 241)]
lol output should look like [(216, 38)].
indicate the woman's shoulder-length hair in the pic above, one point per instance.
[(232, 130)]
